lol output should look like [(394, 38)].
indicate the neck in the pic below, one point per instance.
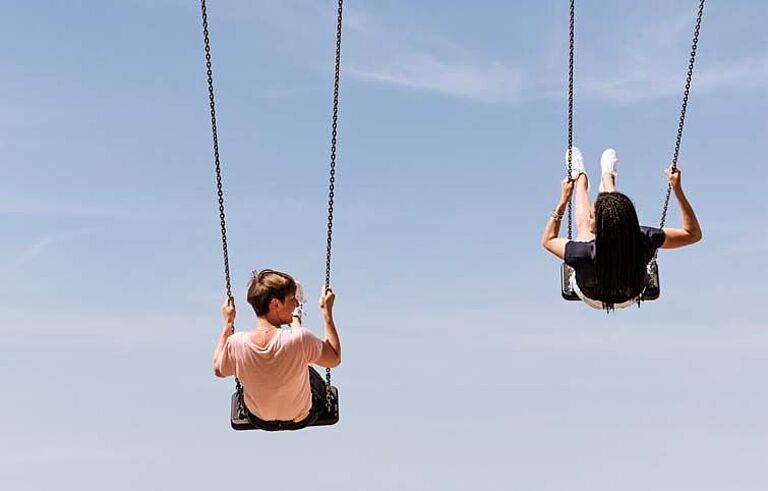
[(265, 323)]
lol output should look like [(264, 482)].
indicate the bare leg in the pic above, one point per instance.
[(583, 210), (609, 182)]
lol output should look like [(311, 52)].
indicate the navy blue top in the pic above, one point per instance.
[(581, 257)]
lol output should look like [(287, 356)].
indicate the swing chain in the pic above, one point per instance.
[(334, 128), (332, 180), (570, 113), (216, 157), (684, 108), (214, 130)]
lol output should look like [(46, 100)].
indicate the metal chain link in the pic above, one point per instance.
[(217, 160), (570, 112), (332, 177), (332, 180), (216, 157), (334, 129), (684, 108)]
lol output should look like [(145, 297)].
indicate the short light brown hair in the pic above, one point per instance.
[(266, 285)]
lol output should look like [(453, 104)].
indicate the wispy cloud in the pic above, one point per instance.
[(425, 62), (642, 69), (626, 63), (34, 250), (652, 63), (492, 82), (746, 73), (38, 247), (402, 56), (129, 212), (645, 80), (22, 324)]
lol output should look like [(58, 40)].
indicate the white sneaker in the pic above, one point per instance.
[(609, 164), (577, 164)]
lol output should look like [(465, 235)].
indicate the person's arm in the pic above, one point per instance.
[(690, 232), (549, 238), (228, 311), (330, 355)]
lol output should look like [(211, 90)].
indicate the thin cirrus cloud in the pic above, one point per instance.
[(380, 54), (650, 62), (493, 82), (646, 80), (643, 69), (39, 248), (630, 64), (129, 211)]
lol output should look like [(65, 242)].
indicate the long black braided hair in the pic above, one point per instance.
[(620, 262)]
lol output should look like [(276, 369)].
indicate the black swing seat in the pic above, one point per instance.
[(242, 419), (652, 289)]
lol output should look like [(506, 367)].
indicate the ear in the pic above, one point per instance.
[(274, 304)]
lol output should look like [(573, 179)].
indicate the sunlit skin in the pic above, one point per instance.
[(689, 232)]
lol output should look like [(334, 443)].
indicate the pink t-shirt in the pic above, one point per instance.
[(275, 375)]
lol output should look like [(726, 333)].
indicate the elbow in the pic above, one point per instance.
[(693, 237), (336, 361), (550, 245), (217, 369), (546, 238), (697, 236)]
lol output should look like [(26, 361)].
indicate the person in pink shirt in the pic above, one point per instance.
[(272, 361)]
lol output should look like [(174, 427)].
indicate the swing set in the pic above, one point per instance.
[(241, 418), (652, 289)]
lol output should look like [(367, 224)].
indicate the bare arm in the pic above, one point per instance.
[(690, 232), (331, 354), (228, 311), (550, 239)]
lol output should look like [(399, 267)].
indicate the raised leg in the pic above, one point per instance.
[(609, 167), (609, 182), (583, 210)]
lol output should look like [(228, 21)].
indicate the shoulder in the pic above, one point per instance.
[(655, 235), (301, 334), (304, 340), (237, 339), (575, 251)]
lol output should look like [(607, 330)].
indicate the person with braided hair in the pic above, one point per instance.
[(611, 251), (272, 362)]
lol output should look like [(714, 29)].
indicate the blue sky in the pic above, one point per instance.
[(462, 367)]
